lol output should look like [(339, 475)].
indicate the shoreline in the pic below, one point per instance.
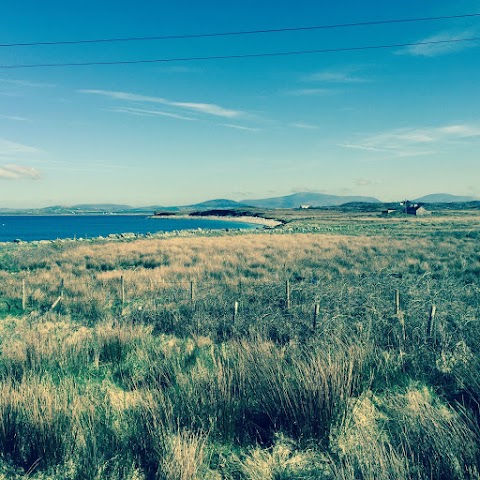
[(129, 236), (267, 222)]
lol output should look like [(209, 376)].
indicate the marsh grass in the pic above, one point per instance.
[(172, 388)]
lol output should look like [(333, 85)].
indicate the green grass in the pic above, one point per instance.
[(175, 389)]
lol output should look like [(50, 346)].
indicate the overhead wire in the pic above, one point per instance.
[(240, 32), (240, 56)]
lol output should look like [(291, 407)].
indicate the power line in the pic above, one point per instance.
[(246, 55), (241, 32)]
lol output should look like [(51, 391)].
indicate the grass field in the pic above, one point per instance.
[(308, 352)]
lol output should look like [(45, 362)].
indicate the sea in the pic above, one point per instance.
[(52, 227)]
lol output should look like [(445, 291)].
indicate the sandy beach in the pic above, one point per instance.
[(267, 222)]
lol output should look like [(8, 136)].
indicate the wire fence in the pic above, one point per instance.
[(420, 299)]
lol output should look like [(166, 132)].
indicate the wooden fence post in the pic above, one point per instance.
[(400, 317), (24, 295), (397, 302), (60, 295), (235, 312), (287, 295), (192, 292), (122, 292), (431, 323), (56, 302), (316, 311)]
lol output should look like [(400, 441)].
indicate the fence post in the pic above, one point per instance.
[(192, 291), (122, 292), (397, 302), (287, 295), (24, 295), (60, 295), (316, 311), (235, 312), (56, 302), (431, 322)]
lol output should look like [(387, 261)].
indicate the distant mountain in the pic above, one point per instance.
[(287, 201), (218, 203), (110, 208), (95, 209), (84, 209), (444, 198), (312, 199)]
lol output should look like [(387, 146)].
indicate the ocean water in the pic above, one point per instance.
[(29, 228)]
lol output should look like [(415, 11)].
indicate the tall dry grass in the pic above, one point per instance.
[(125, 400), (175, 389)]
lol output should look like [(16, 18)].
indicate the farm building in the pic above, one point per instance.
[(416, 209)]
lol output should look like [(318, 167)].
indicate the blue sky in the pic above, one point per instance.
[(391, 123)]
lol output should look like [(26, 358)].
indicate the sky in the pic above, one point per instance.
[(389, 123)]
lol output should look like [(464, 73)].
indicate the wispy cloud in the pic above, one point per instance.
[(347, 75), (208, 108), (10, 149), (18, 172), (358, 146), (410, 142), (461, 131), (304, 126), (437, 49), (240, 127), (15, 118), (12, 152), (202, 108), (142, 112), (26, 83)]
